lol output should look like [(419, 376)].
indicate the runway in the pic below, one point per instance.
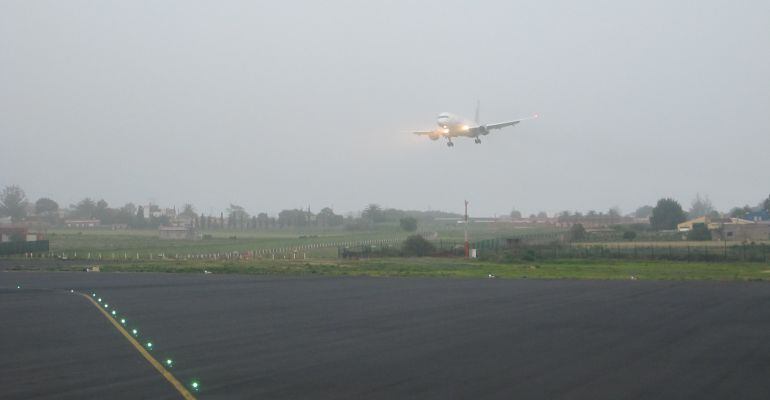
[(384, 338)]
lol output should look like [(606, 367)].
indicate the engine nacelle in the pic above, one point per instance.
[(434, 136), (483, 130)]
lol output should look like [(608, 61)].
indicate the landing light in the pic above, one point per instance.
[(466, 127)]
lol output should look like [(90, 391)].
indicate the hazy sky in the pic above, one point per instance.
[(277, 104)]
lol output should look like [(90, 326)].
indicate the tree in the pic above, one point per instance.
[(373, 213), (13, 203), (629, 235), (667, 214), (700, 232), (542, 214), (45, 205), (263, 220), (84, 209), (740, 212), (577, 232), (47, 209), (327, 217), (188, 211), (515, 214), (643, 212), (408, 224), (766, 204), (700, 206), (139, 221), (418, 246)]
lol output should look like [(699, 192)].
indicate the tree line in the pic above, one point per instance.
[(15, 204)]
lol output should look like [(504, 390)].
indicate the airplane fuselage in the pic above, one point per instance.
[(452, 125)]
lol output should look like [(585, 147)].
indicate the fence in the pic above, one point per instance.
[(287, 252), (10, 248), (689, 252)]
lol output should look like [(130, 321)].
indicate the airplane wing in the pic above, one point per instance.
[(424, 133), (508, 123)]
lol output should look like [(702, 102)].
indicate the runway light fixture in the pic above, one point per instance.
[(106, 305), (195, 385), (18, 286), (123, 321), (148, 345), (93, 294), (113, 313), (99, 299), (169, 363), (135, 332)]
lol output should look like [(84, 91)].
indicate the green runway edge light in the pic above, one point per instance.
[(18, 286), (106, 305), (113, 313), (93, 294), (99, 299), (135, 331), (149, 345), (123, 321), (195, 385), (169, 363)]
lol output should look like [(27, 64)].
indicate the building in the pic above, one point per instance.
[(710, 222), (19, 234), (177, 233), (82, 223), (757, 216), (742, 232)]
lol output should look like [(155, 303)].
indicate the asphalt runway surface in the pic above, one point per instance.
[(383, 338)]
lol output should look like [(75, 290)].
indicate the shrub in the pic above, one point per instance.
[(416, 245), (629, 235), (699, 232)]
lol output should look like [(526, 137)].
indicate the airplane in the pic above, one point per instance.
[(452, 126)]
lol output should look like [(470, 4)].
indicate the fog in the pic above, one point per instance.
[(275, 105)]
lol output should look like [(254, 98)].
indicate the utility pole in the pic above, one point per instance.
[(467, 245)]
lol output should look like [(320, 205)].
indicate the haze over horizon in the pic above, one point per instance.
[(290, 104)]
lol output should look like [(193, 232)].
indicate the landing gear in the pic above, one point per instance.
[(477, 140), (450, 144)]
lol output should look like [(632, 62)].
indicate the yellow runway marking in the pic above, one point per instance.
[(158, 366)]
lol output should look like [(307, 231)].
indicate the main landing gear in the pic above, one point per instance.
[(477, 140), (450, 144)]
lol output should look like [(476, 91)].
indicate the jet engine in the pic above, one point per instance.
[(434, 136), (483, 130)]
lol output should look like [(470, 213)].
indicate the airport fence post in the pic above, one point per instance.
[(725, 251)]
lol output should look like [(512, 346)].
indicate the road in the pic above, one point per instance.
[(383, 338)]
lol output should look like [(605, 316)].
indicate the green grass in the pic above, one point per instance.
[(462, 268), (146, 242)]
